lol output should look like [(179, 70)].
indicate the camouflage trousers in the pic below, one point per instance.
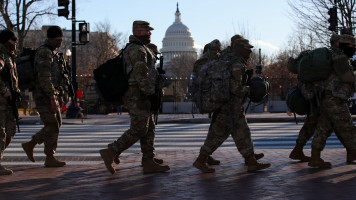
[(142, 126), (334, 112), (230, 119), (7, 125), (52, 121)]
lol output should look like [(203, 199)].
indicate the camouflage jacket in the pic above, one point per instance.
[(341, 81), (50, 70), (238, 80), (142, 62), (8, 71), (226, 54), (206, 57)]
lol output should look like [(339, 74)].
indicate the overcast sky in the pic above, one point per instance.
[(264, 22)]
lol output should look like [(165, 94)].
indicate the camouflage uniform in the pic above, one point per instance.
[(211, 52), (339, 86), (311, 92), (334, 106), (142, 83), (230, 119), (147, 141), (49, 83), (7, 118)]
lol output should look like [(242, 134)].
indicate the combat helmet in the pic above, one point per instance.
[(296, 101), (259, 89)]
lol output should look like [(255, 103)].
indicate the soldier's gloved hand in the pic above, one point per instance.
[(53, 103), (60, 101)]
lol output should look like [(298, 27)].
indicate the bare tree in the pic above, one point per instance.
[(312, 17), (182, 66), (102, 47), (21, 15)]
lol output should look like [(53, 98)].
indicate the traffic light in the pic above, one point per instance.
[(63, 11), (333, 19), (84, 32)]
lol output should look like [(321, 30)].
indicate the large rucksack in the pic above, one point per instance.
[(111, 79), (315, 65), (211, 88), (25, 69)]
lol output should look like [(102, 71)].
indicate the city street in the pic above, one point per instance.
[(85, 176)]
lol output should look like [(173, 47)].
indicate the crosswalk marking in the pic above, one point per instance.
[(85, 141)]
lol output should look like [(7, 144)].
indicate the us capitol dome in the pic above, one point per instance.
[(178, 41)]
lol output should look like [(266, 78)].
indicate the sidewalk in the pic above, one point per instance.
[(285, 179)]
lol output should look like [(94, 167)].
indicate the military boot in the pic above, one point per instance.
[(108, 156), (253, 165), (157, 160), (351, 156), (316, 161), (297, 153), (200, 163), (51, 161), (212, 161), (150, 166), (5, 171), (257, 156), (117, 157), (28, 148)]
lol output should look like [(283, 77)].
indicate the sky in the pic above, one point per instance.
[(266, 23)]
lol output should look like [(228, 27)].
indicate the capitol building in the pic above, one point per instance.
[(178, 41)]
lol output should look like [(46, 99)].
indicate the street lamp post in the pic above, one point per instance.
[(74, 111)]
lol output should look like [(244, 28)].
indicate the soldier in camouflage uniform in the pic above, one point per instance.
[(230, 118), (49, 86), (147, 141), (8, 81), (338, 87), (211, 52), (228, 54), (138, 98), (309, 92)]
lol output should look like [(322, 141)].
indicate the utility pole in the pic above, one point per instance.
[(74, 111)]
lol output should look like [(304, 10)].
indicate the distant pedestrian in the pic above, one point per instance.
[(24, 102), (119, 110)]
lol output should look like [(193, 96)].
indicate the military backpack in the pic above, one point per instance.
[(211, 89), (25, 69), (315, 65), (111, 79)]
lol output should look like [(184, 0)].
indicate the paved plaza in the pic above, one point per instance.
[(285, 179)]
